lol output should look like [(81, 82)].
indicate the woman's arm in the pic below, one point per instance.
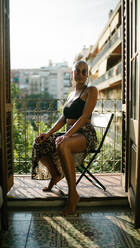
[(58, 125), (88, 109)]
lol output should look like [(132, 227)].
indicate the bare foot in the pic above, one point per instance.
[(71, 204), (53, 181)]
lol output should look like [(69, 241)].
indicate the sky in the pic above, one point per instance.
[(56, 30)]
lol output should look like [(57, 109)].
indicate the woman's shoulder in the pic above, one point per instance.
[(92, 89)]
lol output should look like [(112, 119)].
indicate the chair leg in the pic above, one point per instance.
[(86, 168), (88, 178), (83, 174), (104, 188), (94, 178)]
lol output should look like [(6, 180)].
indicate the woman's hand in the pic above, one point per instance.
[(60, 139), (41, 137)]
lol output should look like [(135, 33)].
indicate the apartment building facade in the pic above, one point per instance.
[(53, 79), (104, 58)]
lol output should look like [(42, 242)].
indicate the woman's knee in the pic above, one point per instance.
[(62, 147)]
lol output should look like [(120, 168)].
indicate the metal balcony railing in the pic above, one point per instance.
[(31, 117), (113, 72), (116, 36)]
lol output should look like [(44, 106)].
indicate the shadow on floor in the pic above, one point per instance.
[(90, 227)]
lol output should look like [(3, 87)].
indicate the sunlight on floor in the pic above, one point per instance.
[(88, 228)]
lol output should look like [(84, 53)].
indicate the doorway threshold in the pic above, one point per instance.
[(28, 193)]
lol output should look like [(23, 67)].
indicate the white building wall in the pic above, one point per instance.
[(34, 85), (51, 79)]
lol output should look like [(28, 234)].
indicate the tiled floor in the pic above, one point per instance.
[(89, 228)]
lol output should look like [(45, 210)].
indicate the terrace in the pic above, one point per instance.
[(31, 117)]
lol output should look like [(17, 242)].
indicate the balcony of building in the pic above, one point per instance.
[(31, 117), (110, 46), (110, 78)]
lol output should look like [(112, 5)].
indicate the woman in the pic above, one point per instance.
[(79, 138)]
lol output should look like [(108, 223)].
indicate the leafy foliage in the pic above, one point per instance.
[(109, 159), (31, 117)]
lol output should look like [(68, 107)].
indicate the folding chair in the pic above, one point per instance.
[(102, 121)]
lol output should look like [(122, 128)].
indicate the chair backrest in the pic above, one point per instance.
[(102, 121)]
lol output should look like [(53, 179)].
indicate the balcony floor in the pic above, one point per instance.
[(28, 192)]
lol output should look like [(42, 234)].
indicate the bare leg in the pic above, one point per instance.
[(55, 174), (75, 143)]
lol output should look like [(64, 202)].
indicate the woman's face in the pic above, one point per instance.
[(80, 73)]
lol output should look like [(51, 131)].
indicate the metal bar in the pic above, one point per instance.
[(37, 119)]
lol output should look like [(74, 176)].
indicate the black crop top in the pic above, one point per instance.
[(74, 110)]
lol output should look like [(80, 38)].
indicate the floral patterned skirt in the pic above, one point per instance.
[(40, 171)]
